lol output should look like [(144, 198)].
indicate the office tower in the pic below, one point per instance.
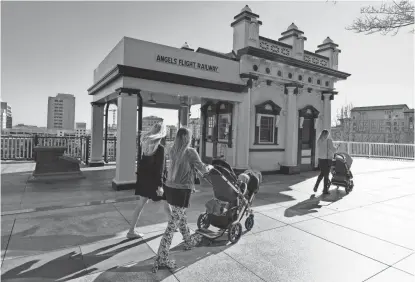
[(6, 115), (61, 112)]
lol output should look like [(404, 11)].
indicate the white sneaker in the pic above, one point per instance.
[(134, 235)]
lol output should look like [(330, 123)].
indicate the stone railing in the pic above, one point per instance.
[(377, 150), (22, 148), (316, 60), (275, 47), (286, 50)]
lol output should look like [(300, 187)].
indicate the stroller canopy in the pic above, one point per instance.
[(347, 158)]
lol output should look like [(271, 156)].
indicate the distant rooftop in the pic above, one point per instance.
[(379, 108), (152, 117), (409, 111)]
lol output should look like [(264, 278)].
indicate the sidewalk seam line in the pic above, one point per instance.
[(366, 234), (224, 251), (334, 243), (8, 241)]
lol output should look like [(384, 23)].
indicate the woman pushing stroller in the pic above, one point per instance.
[(325, 151), (177, 190)]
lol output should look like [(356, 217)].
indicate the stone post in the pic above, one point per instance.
[(125, 177), (97, 134), (243, 133), (291, 139)]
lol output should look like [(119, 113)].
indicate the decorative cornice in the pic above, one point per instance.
[(291, 30), (331, 93), (96, 104), (239, 20), (291, 61), (247, 13), (129, 91)]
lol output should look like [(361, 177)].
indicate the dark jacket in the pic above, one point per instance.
[(151, 174)]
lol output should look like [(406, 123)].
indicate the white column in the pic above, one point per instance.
[(242, 140), (125, 176), (291, 131), (327, 111), (97, 134)]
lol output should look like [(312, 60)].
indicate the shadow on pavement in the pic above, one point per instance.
[(141, 271), (312, 204), (69, 265)]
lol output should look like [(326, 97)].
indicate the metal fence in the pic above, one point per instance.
[(377, 150), (21, 147)]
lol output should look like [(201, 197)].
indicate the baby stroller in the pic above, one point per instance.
[(232, 201), (342, 176)]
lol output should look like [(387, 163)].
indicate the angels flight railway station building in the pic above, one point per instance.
[(262, 104)]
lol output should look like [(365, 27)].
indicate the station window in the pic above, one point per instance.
[(310, 80), (279, 73), (267, 118), (290, 75), (266, 129)]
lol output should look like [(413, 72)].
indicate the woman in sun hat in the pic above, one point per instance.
[(151, 174)]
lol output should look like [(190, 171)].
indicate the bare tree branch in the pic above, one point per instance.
[(388, 18)]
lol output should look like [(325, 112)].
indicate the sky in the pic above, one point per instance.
[(53, 47)]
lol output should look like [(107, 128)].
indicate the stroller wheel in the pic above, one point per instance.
[(249, 222), (235, 232), (203, 221), (347, 189)]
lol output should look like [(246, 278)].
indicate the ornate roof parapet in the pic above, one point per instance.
[(329, 49), (294, 37), (245, 29)]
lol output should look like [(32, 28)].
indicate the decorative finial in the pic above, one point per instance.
[(246, 9), (292, 26), (327, 40)]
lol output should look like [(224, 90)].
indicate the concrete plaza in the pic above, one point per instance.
[(75, 231)]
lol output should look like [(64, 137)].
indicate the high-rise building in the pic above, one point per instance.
[(61, 112), (171, 131), (6, 116), (149, 121), (80, 129)]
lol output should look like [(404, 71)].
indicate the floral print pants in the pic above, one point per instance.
[(177, 218)]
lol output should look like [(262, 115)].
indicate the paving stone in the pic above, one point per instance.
[(51, 198), (290, 215), (363, 244), (392, 274), (216, 267), (140, 272), (288, 254), (45, 267), (407, 264), (381, 221), (62, 229)]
